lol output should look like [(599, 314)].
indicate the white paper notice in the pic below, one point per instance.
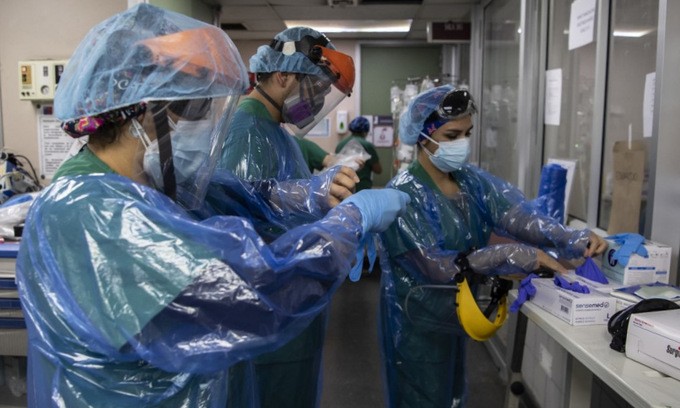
[(553, 96), (54, 144), (648, 105), (581, 23), (383, 136)]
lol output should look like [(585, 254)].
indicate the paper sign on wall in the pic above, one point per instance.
[(383, 131), (553, 96), (581, 23), (54, 143)]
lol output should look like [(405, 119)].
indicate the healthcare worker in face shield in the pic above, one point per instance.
[(300, 78), (129, 300), (454, 208)]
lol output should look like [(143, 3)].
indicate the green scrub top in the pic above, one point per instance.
[(312, 153), (85, 162)]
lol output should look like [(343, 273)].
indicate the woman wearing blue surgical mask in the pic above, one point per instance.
[(442, 243)]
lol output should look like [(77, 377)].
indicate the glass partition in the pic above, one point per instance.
[(498, 113), (631, 66), (571, 138)]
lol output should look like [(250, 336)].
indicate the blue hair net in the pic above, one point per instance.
[(147, 53), (412, 120), (266, 59), (359, 125)]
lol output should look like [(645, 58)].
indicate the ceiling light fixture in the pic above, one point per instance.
[(354, 26), (631, 33)]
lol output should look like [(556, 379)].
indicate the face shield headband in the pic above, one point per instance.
[(182, 157), (339, 67)]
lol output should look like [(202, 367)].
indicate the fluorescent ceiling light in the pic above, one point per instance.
[(631, 33), (354, 26)]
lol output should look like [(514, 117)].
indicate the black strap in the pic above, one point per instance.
[(160, 119), (267, 97)]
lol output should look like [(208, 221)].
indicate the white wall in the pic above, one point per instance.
[(38, 29)]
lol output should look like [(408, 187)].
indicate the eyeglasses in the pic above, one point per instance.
[(456, 104)]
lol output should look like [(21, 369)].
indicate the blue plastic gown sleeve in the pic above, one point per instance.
[(113, 271), (272, 206), (503, 259), (525, 223)]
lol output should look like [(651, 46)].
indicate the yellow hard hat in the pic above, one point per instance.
[(471, 317)]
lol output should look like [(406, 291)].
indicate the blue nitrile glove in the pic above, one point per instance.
[(525, 292), (367, 244), (572, 286), (590, 270), (379, 207), (630, 244)]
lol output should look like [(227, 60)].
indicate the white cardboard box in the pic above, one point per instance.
[(654, 340), (639, 270), (577, 309)]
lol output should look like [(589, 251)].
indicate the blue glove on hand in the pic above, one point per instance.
[(525, 292), (572, 286), (378, 207), (630, 244)]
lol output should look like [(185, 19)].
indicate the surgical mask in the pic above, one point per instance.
[(190, 151), (450, 156)]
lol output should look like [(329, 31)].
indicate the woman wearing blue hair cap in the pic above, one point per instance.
[(442, 242), (130, 299)]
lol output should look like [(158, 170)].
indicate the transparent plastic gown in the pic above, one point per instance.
[(423, 345), (258, 148), (143, 305)]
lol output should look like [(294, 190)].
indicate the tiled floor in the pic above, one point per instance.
[(352, 359)]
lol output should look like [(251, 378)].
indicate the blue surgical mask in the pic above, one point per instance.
[(450, 156)]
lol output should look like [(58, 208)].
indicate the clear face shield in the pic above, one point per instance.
[(317, 95), (190, 133)]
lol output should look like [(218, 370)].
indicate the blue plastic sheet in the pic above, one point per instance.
[(131, 300), (551, 191)]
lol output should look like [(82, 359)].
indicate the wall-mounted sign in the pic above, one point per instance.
[(448, 32)]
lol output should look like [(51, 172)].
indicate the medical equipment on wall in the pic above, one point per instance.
[(38, 79), (14, 178), (342, 121)]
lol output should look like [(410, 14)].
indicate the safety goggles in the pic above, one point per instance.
[(456, 104)]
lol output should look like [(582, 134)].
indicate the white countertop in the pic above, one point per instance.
[(638, 384)]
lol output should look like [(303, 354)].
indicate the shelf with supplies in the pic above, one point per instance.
[(13, 336)]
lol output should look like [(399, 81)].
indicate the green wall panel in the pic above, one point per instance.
[(380, 67)]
